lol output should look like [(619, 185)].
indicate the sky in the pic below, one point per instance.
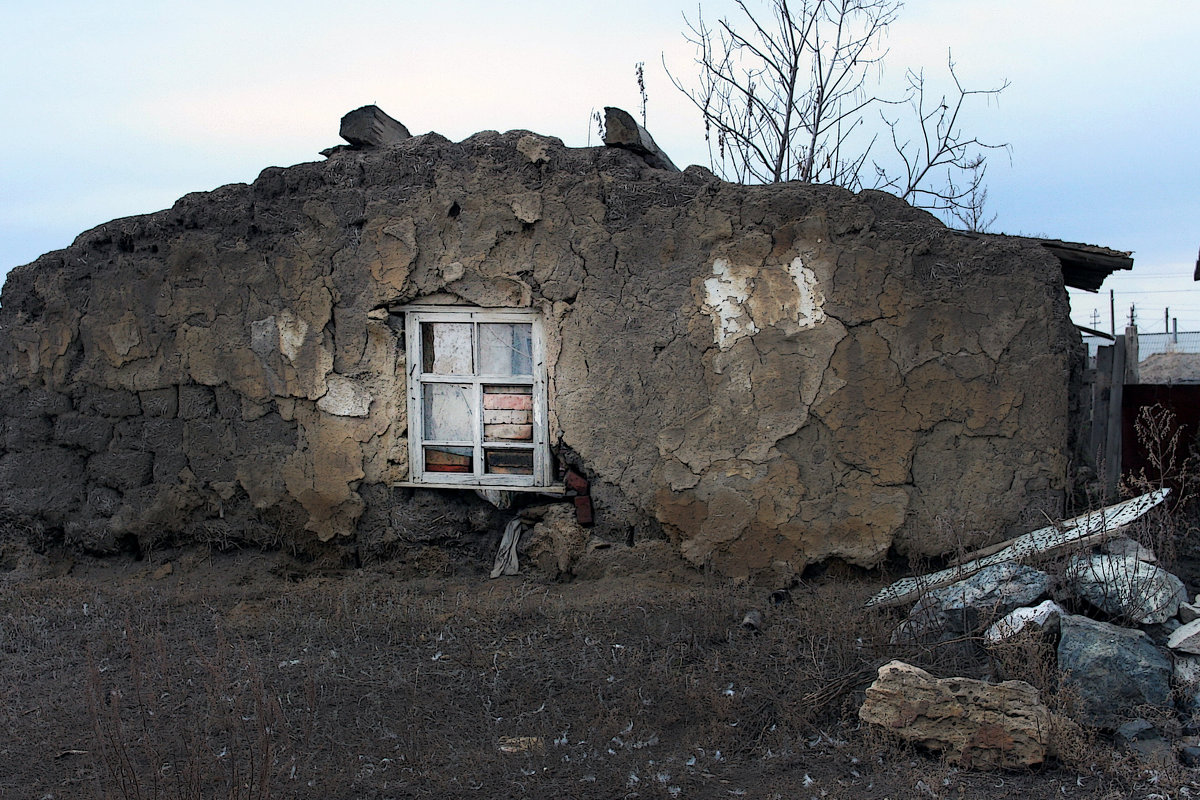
[(119, 108)]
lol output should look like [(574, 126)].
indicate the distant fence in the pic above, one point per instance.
[(1149, 343)]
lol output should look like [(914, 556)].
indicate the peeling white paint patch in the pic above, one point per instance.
[(810, 306), (725, 294), (742, 300)]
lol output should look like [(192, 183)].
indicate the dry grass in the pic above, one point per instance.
[(221, 680)]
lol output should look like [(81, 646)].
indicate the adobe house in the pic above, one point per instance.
[(340, 353)]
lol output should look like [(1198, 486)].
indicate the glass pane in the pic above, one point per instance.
[(448, 458), (448, 412), (509, 462), (446, 348), (506, 348)]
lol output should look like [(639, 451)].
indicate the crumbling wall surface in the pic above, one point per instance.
[(769, 376)]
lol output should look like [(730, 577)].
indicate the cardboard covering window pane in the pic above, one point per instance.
[(509, 461), (449, 459), (507, 413)]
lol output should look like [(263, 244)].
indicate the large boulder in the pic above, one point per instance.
[(1126, 587), (1111, 671), (976, 724)]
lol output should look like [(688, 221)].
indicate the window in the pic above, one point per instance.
[(476, 399)]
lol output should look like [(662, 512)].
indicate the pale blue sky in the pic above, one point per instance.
[(119, 108)]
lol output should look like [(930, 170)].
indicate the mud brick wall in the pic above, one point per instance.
[(767, 376)]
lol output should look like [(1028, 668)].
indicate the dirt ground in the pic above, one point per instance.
[(250, 675)]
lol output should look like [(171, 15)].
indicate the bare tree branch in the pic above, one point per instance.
[(789, 99)]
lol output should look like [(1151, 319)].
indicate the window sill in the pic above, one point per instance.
[(554, 488)]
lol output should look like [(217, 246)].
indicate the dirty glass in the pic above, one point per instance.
[(448, 413), (446, 348), (506, 348), (508, 461)]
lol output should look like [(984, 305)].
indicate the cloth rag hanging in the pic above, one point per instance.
[(506, 557)]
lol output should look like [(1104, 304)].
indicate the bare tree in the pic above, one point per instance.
[(792, 98)]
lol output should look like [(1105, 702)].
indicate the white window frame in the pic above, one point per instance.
[(542, 478)]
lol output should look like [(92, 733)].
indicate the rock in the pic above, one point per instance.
[(1186, 638), (555, 543), (1188, 612), (753, 620), (1112, 671), (1044, 616), (370, 127), (1186, 669), (968, 606), (1124, 546), (1143, 738), (1125, 587), (1160, 633), (1189, 755), (1188, 705), (1136, 729), (622, 130), (977, 725)]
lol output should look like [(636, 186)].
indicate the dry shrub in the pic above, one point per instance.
[(1172, 462), (166, 726)]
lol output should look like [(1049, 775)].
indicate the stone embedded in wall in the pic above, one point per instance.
[(621, 130), (345, 398)]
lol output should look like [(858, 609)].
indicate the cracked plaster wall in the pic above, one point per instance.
[(768, 376)]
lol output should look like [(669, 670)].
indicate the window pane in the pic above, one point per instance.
[(509, 462), (506, 348), (448, 458), (446, 348), (507, 413), (448, 412)]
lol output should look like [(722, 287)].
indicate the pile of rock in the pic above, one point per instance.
[(1130, 653)]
